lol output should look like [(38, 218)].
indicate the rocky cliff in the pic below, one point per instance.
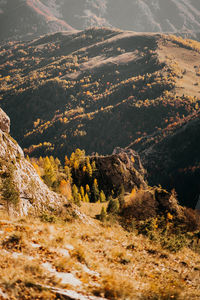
[(123, 167), (21, 189)]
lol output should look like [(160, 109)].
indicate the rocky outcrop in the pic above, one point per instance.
[(121, 168), (4, 121), (167, 202), (18, 174), (152, 202)]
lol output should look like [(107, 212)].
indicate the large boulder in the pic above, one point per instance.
[(4, 121)]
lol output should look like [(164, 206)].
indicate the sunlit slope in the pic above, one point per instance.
[(97, 89), (22, 20)]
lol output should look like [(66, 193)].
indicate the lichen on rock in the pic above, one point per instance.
[(4, 121), (34, 195)]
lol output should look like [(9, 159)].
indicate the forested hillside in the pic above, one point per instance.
[(98, 89)]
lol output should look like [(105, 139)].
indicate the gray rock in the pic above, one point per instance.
[(4, 121), (34, 195)]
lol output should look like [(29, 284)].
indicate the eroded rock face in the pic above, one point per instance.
[(4, 121), (34, 195), (121, 168), (167, 202)]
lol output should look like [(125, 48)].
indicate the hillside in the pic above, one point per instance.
[(139, 246), (172, 159), (82, 90), (27, 19), (90, 261), (98, 89)]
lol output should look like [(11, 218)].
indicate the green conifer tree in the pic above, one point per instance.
[(10, 191), (103, 215), (113, 206)]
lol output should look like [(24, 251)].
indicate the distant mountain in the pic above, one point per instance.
[(138, 15), (26, 19), (30, 18)]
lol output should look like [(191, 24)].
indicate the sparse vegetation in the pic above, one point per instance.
[(10, 191), (158, 274)]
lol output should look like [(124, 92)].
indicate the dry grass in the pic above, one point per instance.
[(176, 54), (92, 209), (109, 262)]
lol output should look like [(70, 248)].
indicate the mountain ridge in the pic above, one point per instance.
[(28, 19), (172, 16)]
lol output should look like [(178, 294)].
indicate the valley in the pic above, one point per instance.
[(99, 150), (99, 89)]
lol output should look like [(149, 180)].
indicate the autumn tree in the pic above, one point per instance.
[(95, 191), (68, 173), (82, 192), (65, 188), (78, 156), (49, 172), (102, 196), (89, 169), (76, 195), (87, 198)]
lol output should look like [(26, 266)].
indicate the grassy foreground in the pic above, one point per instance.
[(82, 256)]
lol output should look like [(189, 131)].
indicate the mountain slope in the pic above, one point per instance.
[(172, 159), (91, 261), (98, 89), (145, 15), (26, 19), (22, 191), (30, 18), (92, 89), (182, 16)]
